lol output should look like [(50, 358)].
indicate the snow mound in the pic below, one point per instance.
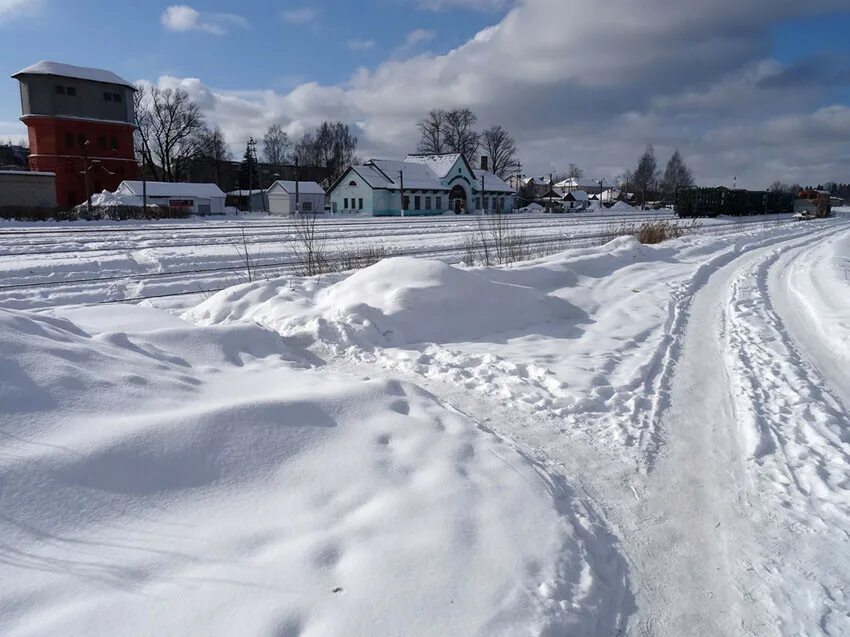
[(399, 301), (622, 206), (199, 481)]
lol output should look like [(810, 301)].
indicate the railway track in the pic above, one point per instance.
[(84, 290)]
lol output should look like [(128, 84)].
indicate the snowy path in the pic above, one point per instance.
[(739, 523)]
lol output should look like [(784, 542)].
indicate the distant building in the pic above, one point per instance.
[(576, 200), (80, 123), (230, 177), (14, 157), (282, 197), (590, 186), (23, 191), (200, 199), (431, 185)]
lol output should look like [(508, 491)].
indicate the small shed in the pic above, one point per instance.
[(248, 200), (282, 197), (576, 200), (201, 199)]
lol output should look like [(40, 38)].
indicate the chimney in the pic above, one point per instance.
[(485, 163)]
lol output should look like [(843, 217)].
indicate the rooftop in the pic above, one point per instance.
[(78, 72)]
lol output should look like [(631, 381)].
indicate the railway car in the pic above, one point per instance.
[(711, 202)]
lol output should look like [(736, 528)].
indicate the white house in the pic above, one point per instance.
[(431, 185), (590, 186), (282, 197), (201, 199)]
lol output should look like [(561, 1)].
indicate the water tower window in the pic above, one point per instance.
[(107, 97), (114, 143), (69, 140), (116, 97), (70, 90), (60, 89)]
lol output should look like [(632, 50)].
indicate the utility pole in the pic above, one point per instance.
[(85, 152), (401, 189), (483, 208), (549, 199), (297, 189), (251, 146), (600, 193)]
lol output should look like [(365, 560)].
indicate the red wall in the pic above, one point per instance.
[(52, 150)]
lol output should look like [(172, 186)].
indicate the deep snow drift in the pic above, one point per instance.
[(625, 439), (216, 481)]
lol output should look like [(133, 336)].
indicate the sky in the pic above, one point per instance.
[(755, 90)]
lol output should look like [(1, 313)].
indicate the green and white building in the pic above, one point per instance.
[(431, 185)]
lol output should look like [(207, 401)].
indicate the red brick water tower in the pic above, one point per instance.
[(80, 123)]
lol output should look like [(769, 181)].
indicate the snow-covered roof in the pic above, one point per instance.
[(244, 193), (304, 187), (440, 165), (577, 195), (77, 72), (419, 174), (169, 189), (492, 182), (580, 183), (27, 173)]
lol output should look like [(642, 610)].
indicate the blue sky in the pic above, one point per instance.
[(280, 45), (759, 89)]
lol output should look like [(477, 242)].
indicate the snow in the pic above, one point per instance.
[(184, 480), (304, 187), (78, 72), (614, 439), (440, 165), (622, 206), (107, 199), (167, 189)]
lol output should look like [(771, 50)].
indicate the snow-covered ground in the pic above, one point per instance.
[(625, 439), (46, 264)]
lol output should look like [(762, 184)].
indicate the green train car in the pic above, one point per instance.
[(711, 202)]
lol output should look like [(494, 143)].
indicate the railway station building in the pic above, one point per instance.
[(420, 185)]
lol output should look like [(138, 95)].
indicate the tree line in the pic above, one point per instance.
[(172, 132)]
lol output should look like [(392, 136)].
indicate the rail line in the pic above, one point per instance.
[(225, 276), (272, 237)]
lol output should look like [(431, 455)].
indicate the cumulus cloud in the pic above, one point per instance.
[(303, 15), (182, 17), (16, 9), (593, 83)]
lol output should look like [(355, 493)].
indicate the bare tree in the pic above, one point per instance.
[(276, 145), (500, 147), (460, 134), (331, 145), (214, 147), (646, 175), (677, 176), (574, 172), (171, 130), (432, 133)]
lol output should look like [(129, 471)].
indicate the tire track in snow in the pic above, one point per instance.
[(798, 444), (650, 404)]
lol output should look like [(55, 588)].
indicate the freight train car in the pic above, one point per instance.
[(710, 202)]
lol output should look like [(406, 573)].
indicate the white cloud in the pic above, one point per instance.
[(303, 15), (360, 45), (412, 41), (182, 17), (593, 83), (16, 9), (480, 5)]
